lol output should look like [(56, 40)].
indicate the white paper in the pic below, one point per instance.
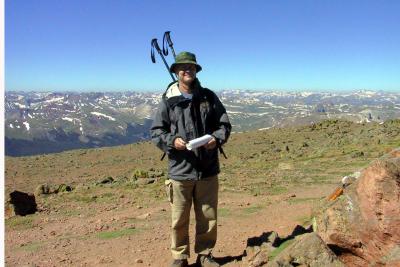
[(198, 142)]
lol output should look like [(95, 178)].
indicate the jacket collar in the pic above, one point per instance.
[(173, 89)]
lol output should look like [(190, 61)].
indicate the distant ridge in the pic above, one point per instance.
[(37, 123)]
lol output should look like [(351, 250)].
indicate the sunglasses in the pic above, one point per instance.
[(186, 67)]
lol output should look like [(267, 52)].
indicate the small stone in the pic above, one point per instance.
[(139, 261)]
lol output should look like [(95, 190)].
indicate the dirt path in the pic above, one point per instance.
[(132, 235)]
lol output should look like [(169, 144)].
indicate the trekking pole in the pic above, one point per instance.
[(167, 38), (154, 45)]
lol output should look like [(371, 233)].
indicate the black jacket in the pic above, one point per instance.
[(178, 116)]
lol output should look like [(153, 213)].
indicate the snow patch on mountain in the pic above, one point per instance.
[(103, 115), (232, 106), (54, 99), (26, 125), (263, 129), (20, 105), (68, 119)]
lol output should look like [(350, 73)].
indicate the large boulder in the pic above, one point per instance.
[(297, 248), (362, 226), (306, 250), (22, 203)]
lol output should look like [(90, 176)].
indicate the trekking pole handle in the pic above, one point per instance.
[(167, 38), (154, 44), (164, 47), (152, 55)]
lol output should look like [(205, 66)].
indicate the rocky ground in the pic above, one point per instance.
[(126, 233), (116, 213)]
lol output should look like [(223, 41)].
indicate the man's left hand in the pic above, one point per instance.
[(211, 144)]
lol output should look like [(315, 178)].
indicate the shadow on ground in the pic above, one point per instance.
[(258, 241)]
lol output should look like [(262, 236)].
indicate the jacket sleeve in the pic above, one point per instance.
[(224, 127), (160, 130)]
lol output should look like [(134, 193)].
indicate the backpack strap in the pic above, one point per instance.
[(170, 105), (210, 98), (163, 98)]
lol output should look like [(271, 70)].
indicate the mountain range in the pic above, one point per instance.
[(44, 122)]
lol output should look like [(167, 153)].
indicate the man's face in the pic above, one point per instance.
[(186, 73)]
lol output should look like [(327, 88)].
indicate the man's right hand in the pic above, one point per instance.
[(179, 144)]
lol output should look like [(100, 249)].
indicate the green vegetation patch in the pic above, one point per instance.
[(117, 234), (138, 173), (252, 209), (279, 249), (224, 212), (305, 220), (276, 190), (301, 200), (108, 195), (31, 247), (84, 198), (20, 222)]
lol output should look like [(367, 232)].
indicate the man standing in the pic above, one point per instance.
[(188, 111)]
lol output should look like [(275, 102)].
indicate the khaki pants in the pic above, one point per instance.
[(204, 195)]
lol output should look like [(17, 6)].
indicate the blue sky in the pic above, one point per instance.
[(104, 45)]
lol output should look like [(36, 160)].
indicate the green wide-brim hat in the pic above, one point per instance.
[(185, 58)]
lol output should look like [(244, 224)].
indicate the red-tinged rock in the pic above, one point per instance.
[(363, 225)]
